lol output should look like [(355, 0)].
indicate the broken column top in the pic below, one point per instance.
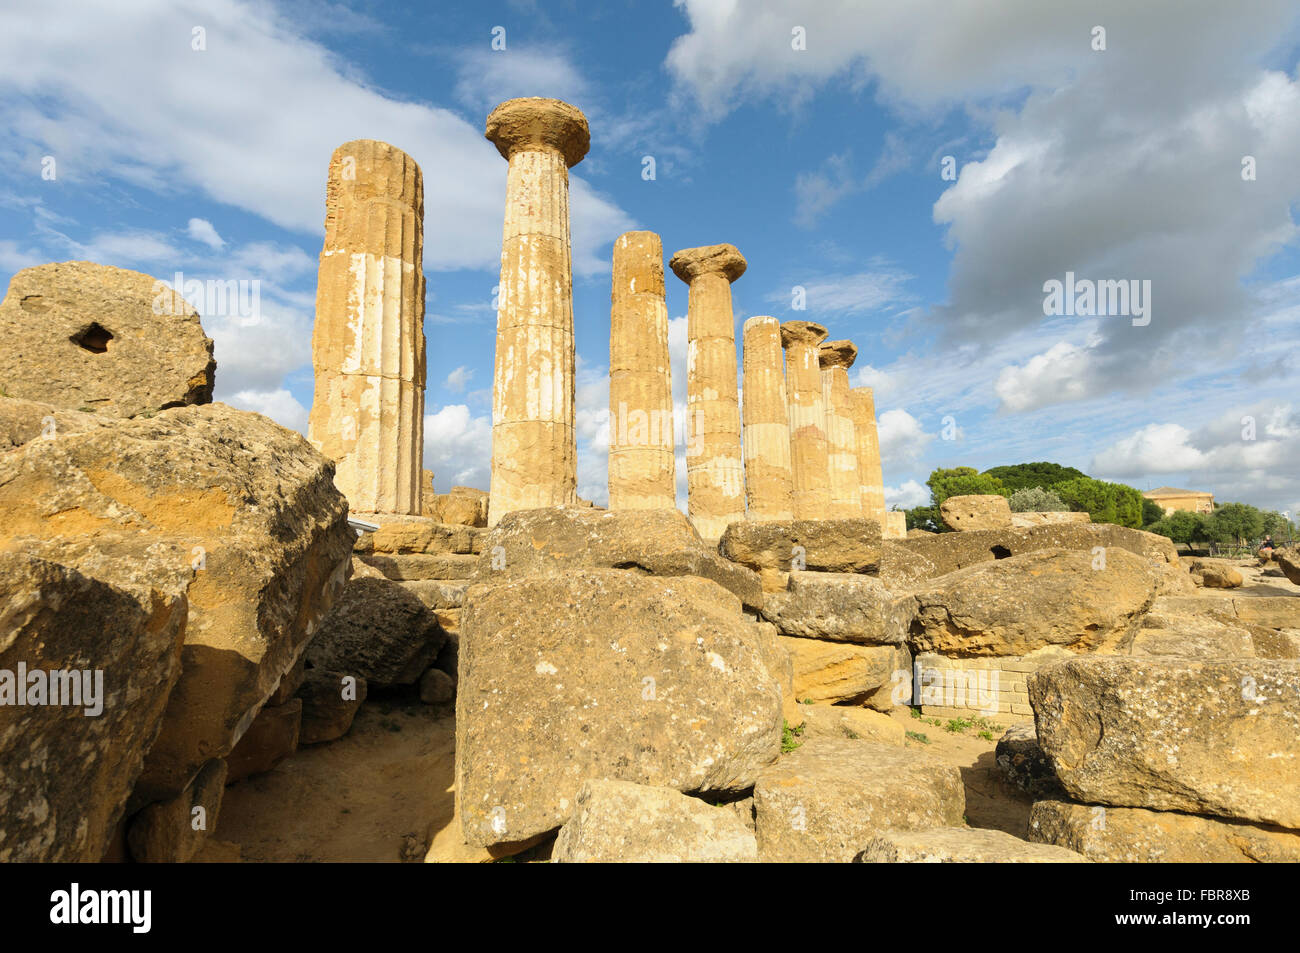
[(838, 354), (725, 260), (802, 332), (759, 319), (536, 122), (365, 169)]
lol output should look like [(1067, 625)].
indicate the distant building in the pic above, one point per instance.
[(1170, 498)]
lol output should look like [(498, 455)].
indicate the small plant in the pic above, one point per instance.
[(986, 735), (806, 701), (850, 733), (789, 736), (916, 713), (958, 724), (917, 736)]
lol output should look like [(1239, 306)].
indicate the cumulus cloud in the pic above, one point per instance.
[(908, 495), (201, 230), (458, 448), (1063, 372), (92, 98), (902, 438), (278, 404)]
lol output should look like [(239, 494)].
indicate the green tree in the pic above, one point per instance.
[(1235, 523), (1021, 476), (1151, 512), (1277, 526), (1183, 526), (1103, 502), (926, 518), (961, 481)]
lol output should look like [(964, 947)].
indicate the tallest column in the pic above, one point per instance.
[(534, 452)]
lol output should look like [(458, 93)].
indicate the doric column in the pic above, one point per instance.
[(534, 450), (873, 485), (367, 414), (715, 466), (642, 471), (841, 439), (768, 489), (803, 386)]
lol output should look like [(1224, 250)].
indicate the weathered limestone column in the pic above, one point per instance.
[(803, 385), (768, 488), (715, 465), (368, 340), (534, 449), (869, 469), (836, 358), (642, 471)]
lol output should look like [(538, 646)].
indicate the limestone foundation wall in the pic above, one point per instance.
[(869, 469), (769, 491), (642, 470), (715, 466), (367, 414), (808, 450), (534, 449), (843, 477)]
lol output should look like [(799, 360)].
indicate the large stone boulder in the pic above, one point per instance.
[(839, 607), (1079, 600), (330, 701), (1215, 574), (560, 539), (83, 336), (961, 845), (976, 512), (113, 638), (827, 799), (839, 545), (907, 562), (604, 674), (173, 831), (1218, 737), (1288, 560), (622, 822), (379, 631), (463, 506), (418, 534), (245, 508), (878, 676), (1132, 835), (1026, 520)]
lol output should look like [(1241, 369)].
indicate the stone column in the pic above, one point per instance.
[(368, 340), (836, 358), (642, 471), (869, 472), (715, 466), (768, 489), (534, 450), (803, 385)]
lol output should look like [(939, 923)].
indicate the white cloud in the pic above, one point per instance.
[(278, 404), (458, 379), (458, 448), (92, 99), (907, 496), (902, 438), (201, 230), (486, 77), (849, 294), (1063, 372)]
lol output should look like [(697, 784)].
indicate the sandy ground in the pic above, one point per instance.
[(378, 794)]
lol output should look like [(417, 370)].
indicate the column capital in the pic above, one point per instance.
[(690, 263), (837, 354), (539, 123), (802, 332)]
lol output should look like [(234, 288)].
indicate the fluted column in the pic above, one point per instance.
[(836, 358), (768, 488), (803, 385), (367, 414), (642, 470), (715, 466), (534, 449), (869, 467)]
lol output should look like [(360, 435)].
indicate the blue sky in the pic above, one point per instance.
[(822, 164)]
